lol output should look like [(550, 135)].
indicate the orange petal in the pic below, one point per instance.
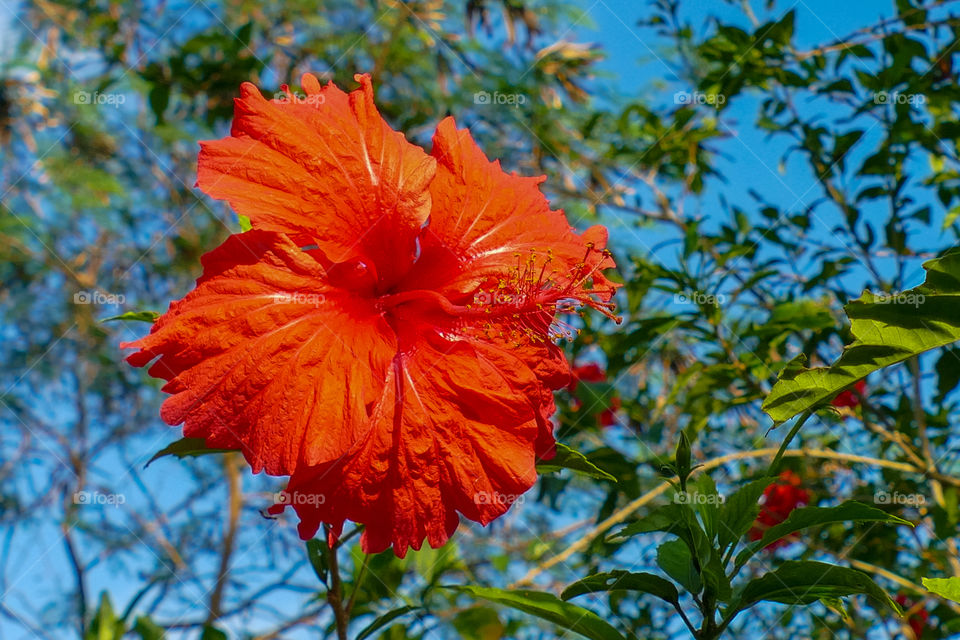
[(326, 169), (455, 432), (484, 220), (265, 357)]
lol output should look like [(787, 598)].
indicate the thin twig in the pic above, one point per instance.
[(356, 583), (231, 466), (335, 593)]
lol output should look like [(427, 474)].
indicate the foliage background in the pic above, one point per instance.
[(758, 164)]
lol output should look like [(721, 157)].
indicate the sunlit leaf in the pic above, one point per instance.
[(186, 448), (948, 588), (802, 583), (887, 329), (575, 461), (385, 619), (806, 517), (135, 316), (548, 607), (624, 581)]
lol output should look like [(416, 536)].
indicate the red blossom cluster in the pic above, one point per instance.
[(779, 500), (850, 398), (918, 618), (592, 372)]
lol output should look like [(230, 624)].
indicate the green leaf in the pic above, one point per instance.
[(836, 605), (715, 579), (887, 330), (665, 518), (948, 588), (135, 316), (479, 623), (432, 563), (782, 31), (948, 373), (951, 217), (105, 625), (682, 458), (186, 448), (675, 559), (677, 519), (548, 607), (147, 629), (595, 396), (212, 633), (159, 98), (740, 511), (572, 459), (802, 583), (317, 554), (806, 517), (384, 620), (624, 581), (706, 501)]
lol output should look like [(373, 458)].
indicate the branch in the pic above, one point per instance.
[(335, 592), (231, 466)]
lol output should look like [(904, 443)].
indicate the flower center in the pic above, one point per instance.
[(521, 304)]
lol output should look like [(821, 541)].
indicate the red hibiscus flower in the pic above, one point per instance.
[(592, 372), (918, 615), (384, 333), (850, 397), (779, 499)]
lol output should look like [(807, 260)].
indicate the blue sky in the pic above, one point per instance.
[(637, 62)]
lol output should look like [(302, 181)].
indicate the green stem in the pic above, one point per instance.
[(686, 620), (350, 534), (708, 629), (775, 463), (728, 555), (731, 614), (357, 583), (335, 594)]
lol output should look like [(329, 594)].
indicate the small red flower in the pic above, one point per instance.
[(850, 397), (592, 372), (383, 334), (608, 417), (779, 499), (918, 618)]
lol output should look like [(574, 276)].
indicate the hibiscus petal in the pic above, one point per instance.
[(327, 170), (266, 357), (483, 219), (455, 432)]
